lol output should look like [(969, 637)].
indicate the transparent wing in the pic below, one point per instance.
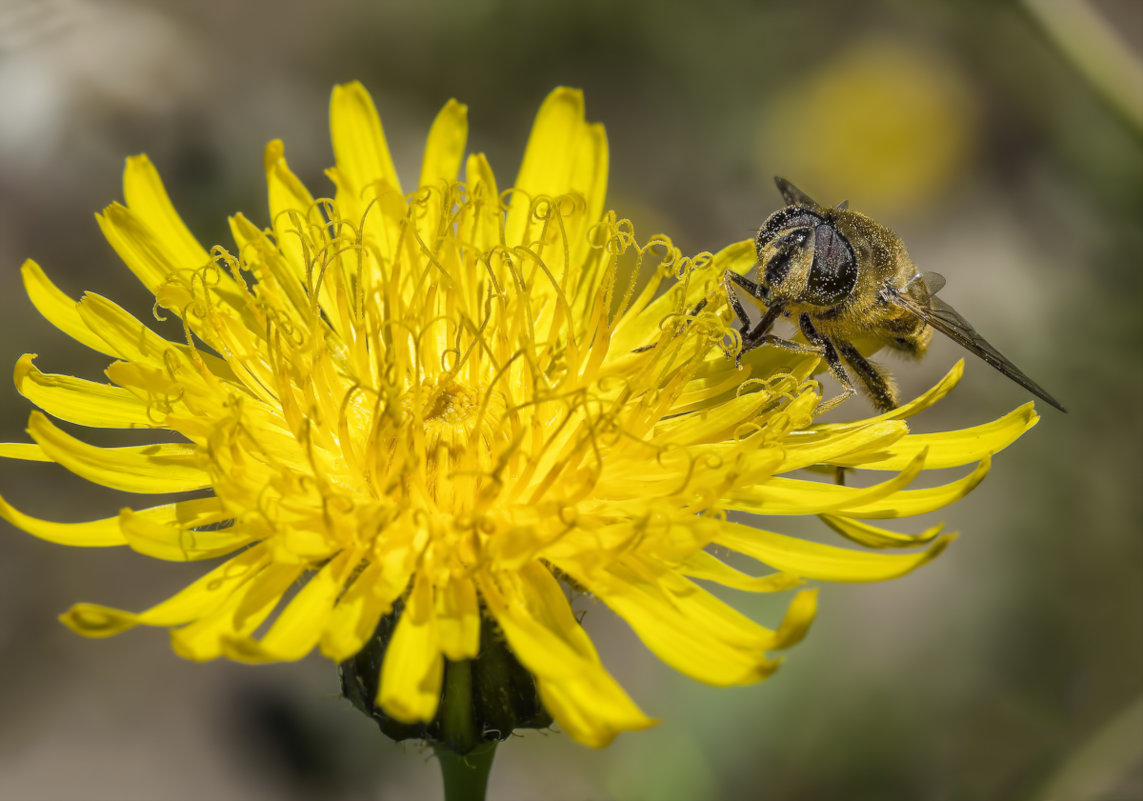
[(949, 322), (792, 195), (934, 281)]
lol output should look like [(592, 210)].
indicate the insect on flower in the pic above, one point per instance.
[(842, 275), (417, 425)]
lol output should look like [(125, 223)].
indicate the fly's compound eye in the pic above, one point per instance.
[(833, 274), (780, 254), (783, 220)]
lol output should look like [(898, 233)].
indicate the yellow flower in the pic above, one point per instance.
[(447, 399)]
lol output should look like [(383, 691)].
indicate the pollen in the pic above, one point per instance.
[(451, 407)]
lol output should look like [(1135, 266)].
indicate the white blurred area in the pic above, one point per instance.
[(69, 67)]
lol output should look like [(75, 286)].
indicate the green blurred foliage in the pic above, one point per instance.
[(1005, 669)]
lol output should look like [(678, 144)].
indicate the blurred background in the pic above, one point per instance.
[(1001, 140)]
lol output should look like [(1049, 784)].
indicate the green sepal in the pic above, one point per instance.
[(501, 693)]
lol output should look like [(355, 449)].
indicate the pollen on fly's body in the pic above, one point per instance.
[(842, 276)]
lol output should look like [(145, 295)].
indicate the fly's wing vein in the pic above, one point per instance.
[(949, 322)]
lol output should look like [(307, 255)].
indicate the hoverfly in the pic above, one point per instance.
[(841, 275)]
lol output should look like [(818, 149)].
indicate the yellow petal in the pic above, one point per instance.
[(200, 598), (705, 566), (413, 667), (813, 560), (444, 148), (542, 631), (802, 449), (947, 448), (238, 616), (790, 496), (588, 180), (458, 619), (485, 199), (293, 215), (75, 400), (874, 537), (297, 629), (59, 309), (127, 337), (179, 542), (368, 191), (642, 325), (143, 190), (140, 468), (593, 709), (920, 501), (360, 609), (26, 451), (91, 534), (546, 636), (714, 424), (107, 532), (564, 155), (285, 289), (553, 145), (740, 257), (719, 380), (928, 399), (801, 613), (301, 232), (359, 145), (140, 250), (156, 244), (684, 625), (131, 340)]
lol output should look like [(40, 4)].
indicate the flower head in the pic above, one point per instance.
[(463, 401)]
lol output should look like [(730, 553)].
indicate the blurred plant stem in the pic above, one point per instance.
[(1103, 760), (1088, 41)]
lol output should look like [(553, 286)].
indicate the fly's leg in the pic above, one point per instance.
[(877, 384), (760, 334), (755, 290), (833, 362), (880, 387)]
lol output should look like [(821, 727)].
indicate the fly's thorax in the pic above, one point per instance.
[(880, 253), (851, 260)]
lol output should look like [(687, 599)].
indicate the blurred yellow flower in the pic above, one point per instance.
[(443, 401), (890, 122)]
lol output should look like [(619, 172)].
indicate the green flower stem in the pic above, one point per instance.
[(465, 759), (466, 777)]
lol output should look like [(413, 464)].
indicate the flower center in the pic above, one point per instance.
[(450, 406), (450, 420)]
